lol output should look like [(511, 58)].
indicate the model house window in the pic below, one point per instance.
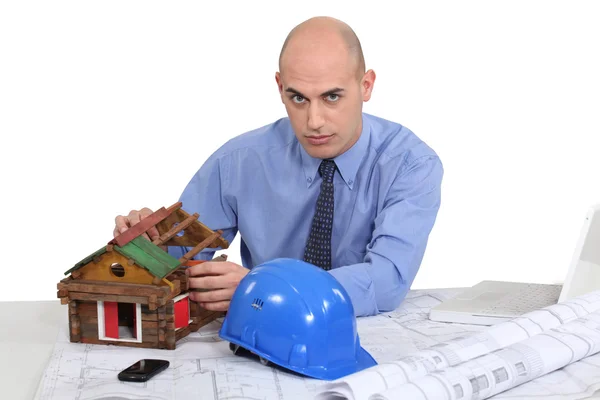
[(119, 321), (182, 311)]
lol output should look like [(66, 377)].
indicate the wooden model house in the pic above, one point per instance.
[(133, 293)]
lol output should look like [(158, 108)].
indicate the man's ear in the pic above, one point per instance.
[(279, 84), (367, 83)]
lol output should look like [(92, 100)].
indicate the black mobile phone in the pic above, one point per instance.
[(143, 370)]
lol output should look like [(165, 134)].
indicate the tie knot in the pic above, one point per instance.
[(327, 169)]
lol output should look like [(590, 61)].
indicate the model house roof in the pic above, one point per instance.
[(175, 227), (145, 254)]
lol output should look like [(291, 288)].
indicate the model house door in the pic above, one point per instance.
[(119, 321)]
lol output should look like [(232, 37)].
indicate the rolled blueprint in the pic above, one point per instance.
[(504, 369), (361, 385)]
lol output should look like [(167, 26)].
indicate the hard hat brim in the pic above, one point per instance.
[(364, 360)]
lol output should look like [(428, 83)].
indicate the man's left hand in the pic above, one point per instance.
[(220, 277)]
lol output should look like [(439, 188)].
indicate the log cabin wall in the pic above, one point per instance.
[(151, 295), (86, 312), (75, 328), (158, 326), (156, 307), (170, 333)]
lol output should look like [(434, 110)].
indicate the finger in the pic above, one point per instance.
[(153, 233), (209, 282), (144, 212), (209, 268), (121, 224), (213, 295), (216, 306), (133, 217), (145, 236)]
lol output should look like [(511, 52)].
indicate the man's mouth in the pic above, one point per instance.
[(318, 139)]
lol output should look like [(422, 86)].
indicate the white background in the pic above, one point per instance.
[(113, 105)]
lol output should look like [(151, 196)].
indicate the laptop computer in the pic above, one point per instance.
[(491, 302)]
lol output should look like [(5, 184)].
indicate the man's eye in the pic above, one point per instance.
[(298, 99), (333, 97)]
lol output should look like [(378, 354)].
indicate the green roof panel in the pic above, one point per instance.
[(149, 256), (86, 260)]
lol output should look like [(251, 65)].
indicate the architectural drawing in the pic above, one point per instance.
[(580, 380), (458, 350), (493, 373), (203, 367)]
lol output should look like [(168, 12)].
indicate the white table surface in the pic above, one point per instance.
[(27, 336)]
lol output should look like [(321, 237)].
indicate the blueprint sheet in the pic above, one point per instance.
[(485, 363), (203, 367)]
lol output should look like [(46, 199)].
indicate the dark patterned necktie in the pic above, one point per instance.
[(318, 246)]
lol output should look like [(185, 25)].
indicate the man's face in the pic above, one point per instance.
[(323, 97)]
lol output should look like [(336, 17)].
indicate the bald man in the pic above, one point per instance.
[(354, 194)]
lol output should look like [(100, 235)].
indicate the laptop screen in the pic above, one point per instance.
[(584, 274)]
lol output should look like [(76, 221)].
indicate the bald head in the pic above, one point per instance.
[(323, 33)]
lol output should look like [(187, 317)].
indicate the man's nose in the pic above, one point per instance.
[(315, 117)]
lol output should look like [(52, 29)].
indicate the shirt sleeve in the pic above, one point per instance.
[(399, 239), (205, 195)]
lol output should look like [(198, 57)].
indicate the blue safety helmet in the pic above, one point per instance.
[(298, 316)]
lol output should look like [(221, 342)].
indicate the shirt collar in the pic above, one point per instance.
[(347, 162)]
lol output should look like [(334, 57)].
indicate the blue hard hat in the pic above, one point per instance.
[(297, 316)]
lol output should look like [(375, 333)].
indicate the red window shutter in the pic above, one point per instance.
[(182, 313), (111, 319)]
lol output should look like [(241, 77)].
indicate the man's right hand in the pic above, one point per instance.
[(122, 223)]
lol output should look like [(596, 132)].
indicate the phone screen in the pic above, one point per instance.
[(143, 370)]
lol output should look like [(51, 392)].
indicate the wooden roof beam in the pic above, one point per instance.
[(141, 227), (175, 230), (200, 246)]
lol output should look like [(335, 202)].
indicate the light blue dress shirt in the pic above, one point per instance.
[(264, 185)]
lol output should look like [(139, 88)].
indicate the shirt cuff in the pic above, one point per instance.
[(359, 286)]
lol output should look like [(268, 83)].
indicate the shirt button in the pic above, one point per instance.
[(350, 182), (309, 180)]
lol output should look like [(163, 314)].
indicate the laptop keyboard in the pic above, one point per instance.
[(530, 297)]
